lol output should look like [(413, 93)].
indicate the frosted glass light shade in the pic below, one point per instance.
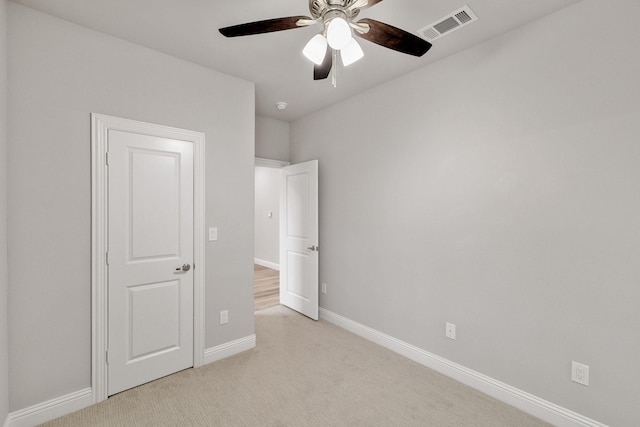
[(351, 53), (338, 33), (315, 49)]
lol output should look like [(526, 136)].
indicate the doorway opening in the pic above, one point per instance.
[(104, 259), (267, 233), (291, 241)]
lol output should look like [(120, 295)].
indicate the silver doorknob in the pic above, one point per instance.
[(185, 267), (314, 248)]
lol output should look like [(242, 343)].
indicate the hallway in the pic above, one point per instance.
[(266, 287)]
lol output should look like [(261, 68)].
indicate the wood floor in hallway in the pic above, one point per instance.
[(266, 287)]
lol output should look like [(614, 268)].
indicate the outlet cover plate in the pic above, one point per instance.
[(580, 373), (450, 330)]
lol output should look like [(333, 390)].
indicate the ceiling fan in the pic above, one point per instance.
[(337, 18)]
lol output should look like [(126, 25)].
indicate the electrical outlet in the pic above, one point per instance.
[(450, 330), (324, 288), (580, 373), (224, 317)]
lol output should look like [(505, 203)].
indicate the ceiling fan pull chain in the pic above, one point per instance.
[(334, 71)]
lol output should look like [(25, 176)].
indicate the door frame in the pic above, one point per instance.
[(100, 126), (269, 163)]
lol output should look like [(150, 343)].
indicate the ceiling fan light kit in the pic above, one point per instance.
[(337, 18), (338, 32), (315, 49), (351, 53)]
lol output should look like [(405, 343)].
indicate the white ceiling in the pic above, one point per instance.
[(188, 29)]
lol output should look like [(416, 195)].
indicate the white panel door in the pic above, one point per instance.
[(299, 238), (150, 255)]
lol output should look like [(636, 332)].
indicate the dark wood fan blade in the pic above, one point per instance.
[(261, 27), (394, 38), (322, 71)]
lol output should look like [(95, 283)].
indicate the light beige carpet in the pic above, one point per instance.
[(303, 373)]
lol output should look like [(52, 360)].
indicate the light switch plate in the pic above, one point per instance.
[(213, 234)]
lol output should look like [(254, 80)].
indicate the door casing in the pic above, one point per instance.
[(100, 127)]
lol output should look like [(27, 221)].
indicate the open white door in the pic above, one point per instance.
[(299, 238)]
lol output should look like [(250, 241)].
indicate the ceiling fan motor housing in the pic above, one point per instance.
[(320, 9), (332, 14)]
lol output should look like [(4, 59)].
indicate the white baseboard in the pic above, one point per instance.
[(54, 408), (225, 350), (267, 264), (522, 400), (51, 409)]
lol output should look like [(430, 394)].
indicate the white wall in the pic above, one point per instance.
[(59, 74), (267, 234), (272, 139), (4, 354), (500, 193)]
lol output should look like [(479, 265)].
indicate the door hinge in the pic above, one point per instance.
[(106, 258), (106, 158), (106, 356)]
